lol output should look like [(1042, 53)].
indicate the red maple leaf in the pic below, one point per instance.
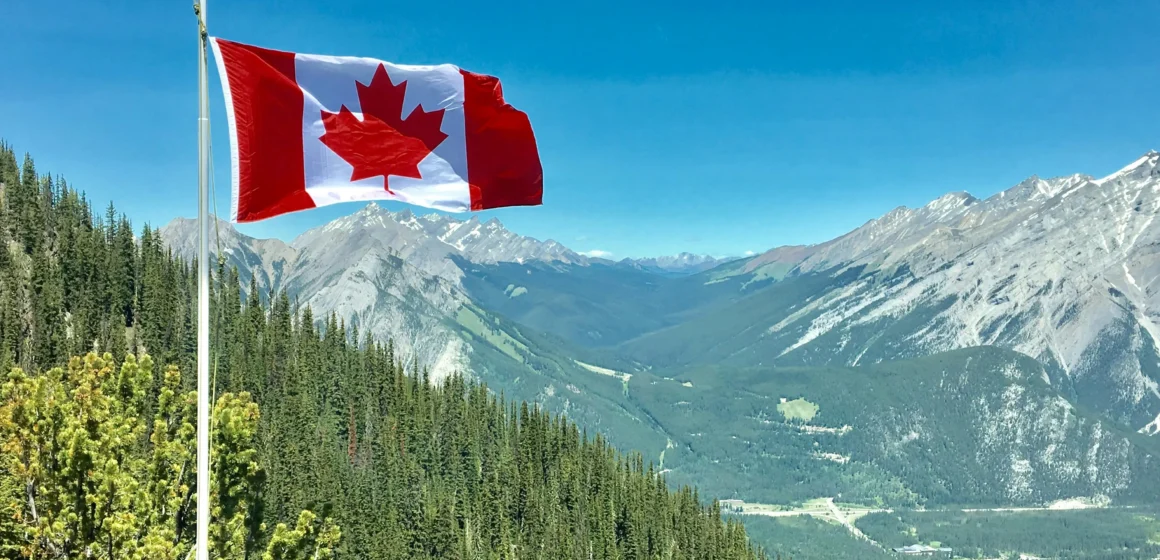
[(383, 143)]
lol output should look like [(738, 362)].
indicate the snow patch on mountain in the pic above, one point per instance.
[(1151, 428)]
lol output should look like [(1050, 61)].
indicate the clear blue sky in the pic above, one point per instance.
[(715, 127)]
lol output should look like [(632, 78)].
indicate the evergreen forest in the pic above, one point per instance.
[(327, 443)]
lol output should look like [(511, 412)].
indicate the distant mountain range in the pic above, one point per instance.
[(680, 264), (998, 351)]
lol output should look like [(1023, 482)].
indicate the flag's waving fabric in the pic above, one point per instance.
[(311, 130)]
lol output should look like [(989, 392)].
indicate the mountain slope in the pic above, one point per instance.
[(598, 305), (390, 273), (1058, 269), (266, 260)]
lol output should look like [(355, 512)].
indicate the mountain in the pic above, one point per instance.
[(678, 265), (391, 273), (426, 242), (408, 277), (1058, 269), (264, 259)]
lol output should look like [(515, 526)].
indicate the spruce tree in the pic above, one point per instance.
[(26, 207)]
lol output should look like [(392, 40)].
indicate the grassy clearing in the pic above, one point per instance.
[(773, 271), (623, 377), (817, 507), (799, 409)]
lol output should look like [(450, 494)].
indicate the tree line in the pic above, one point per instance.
[(349, 440)]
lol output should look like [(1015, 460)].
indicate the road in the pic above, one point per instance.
[(824, 509), (821, 507), (847, 522)]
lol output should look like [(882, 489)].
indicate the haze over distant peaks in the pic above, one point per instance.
[(681, 263)]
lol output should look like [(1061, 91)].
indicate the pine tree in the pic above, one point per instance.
[(89, 486), (48, 336)]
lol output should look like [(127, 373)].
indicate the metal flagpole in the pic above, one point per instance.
[(203, 404)]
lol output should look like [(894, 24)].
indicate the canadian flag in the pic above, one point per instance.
[(311, 130)]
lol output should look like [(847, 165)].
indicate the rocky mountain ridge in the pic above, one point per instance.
[(426, 242), (1059, 269)]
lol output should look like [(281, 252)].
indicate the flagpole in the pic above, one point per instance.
[(203, 389)]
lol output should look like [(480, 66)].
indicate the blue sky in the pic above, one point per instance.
[(713, 127)]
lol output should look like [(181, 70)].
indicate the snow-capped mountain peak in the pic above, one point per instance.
[(429, 243), (951, 200)]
